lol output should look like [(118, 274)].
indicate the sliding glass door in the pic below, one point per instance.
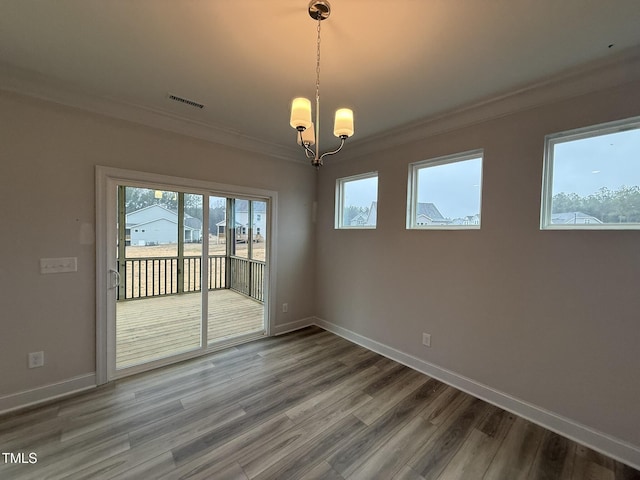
[(237, 260), (189, 277)]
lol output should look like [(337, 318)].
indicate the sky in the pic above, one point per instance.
[(454, 188), (584, 166), (580, 166), (360, 193)]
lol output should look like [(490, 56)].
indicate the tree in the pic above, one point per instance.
[(563, 202), (217, 214), (192, 205), (352, 212), (617, 206), (137, 198)]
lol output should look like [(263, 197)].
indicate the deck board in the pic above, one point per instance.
[(157, 327)]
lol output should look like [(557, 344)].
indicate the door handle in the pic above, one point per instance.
[(115, 278)]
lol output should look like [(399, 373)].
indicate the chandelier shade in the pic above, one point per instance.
[(301, 113), (343, 124)]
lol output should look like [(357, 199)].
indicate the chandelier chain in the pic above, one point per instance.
[(318, 62)]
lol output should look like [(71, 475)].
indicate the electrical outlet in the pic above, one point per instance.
[(426, 339), (36, 359), (285, 307)]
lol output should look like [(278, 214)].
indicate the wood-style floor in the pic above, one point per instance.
[(157, 327), (307, 405)]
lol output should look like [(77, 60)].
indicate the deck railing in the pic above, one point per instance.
[(247, 276), (151, 277)]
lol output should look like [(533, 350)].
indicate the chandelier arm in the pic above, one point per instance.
[(326, 154), (307, 151)]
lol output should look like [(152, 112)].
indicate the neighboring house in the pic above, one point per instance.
[(359, 220), (259, 217), (573, 218), (428, 214), (365, 219), (155, 225), (222, 224), (242, 220), (372, 216), (468, 220)]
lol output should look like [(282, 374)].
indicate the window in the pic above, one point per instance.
[(592, 178), (357, 201), (445, 192)]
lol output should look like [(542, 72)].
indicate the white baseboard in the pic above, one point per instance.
[(46, 393), (28, 398), (292, 326), (596, 440)]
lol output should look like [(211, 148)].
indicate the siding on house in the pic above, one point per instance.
[(156, 225)]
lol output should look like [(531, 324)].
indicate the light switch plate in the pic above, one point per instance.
[(58, 265)]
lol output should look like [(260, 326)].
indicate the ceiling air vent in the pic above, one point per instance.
[(186, 101)]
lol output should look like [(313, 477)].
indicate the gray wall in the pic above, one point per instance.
[(549, 317), (48, 155)]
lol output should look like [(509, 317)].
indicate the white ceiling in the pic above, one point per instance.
[(395, 62)]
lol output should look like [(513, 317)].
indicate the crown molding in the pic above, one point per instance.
[(613, 71), (606, 73), (32, 84)]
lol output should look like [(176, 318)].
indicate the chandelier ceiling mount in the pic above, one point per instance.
[(319, 9)]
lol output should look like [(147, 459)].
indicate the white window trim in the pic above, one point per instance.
[(339, 210), (412, 189), (547, 172)]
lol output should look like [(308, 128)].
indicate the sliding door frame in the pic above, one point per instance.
[(107, 180)]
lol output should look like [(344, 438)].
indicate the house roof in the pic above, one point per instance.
[(372, 217), (155, 206), (189, 221), (429, 210), (222, 223)]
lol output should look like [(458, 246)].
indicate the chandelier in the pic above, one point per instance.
[(308, 131)]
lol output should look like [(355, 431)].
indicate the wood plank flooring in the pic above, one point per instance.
[(307, 405), (157, 327)]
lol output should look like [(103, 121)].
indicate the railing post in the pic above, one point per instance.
[(250, 246), (230, 240), (180, 242), (250, 279), (122, 239)]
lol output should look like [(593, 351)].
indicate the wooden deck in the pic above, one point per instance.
[(158, 327)]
